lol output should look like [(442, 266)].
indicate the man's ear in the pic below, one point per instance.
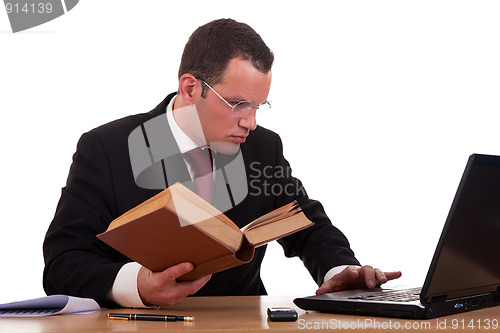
[(189, 89)]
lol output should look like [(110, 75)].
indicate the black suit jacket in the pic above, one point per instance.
[(101, 186)]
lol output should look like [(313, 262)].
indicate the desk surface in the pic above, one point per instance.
[(248, 314)]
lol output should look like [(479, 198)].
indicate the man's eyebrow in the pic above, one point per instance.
[(235, 98), (238, 98)]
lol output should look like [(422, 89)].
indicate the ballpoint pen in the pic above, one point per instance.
[(150, 317)]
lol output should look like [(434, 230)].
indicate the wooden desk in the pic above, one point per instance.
[(247, 314)]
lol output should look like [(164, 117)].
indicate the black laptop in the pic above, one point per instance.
[(464, 273)]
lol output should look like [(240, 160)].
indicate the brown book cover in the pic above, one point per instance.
[(178, 226)]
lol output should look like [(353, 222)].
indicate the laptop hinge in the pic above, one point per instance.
[(438, 299)]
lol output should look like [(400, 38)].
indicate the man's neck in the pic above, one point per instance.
[(177, 102), (186, 117)]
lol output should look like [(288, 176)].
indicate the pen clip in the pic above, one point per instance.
[(116, 318)]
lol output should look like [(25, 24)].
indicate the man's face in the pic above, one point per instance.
[(224, 131)]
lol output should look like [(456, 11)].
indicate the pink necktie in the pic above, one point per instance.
[(201, 162)]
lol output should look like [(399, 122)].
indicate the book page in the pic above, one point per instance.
[(277, 214), (268, 232)]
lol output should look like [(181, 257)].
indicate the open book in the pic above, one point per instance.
[(177, 226)]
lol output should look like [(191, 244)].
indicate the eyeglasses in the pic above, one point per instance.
[(242, 107)]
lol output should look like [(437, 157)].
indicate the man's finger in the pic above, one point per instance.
[(167, 291), (393, 275), (339, 281), (181, 290), (369, 274), (327, 287), (381, 278), (174, 272), (349, 272), (190, 287)]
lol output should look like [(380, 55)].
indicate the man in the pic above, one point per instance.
[(224, 77)]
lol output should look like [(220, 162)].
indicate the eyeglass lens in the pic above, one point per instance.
[(245, 107)]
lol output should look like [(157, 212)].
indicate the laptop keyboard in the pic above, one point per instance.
[(403, 295)]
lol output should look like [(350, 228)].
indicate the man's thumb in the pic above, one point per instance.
[(178, 270)]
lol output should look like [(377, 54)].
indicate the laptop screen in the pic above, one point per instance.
[(466, 259)]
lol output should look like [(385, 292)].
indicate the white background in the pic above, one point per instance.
[(379, 104)]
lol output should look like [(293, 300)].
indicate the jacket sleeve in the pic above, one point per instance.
[(320, 247), (76, 262)]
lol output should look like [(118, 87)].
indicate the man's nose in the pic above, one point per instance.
[(249, 120)]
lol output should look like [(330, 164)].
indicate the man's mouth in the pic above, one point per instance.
[(238, 138)]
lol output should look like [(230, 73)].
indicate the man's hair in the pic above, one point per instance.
[(210, 48)]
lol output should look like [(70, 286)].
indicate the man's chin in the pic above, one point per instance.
[(226, 148)]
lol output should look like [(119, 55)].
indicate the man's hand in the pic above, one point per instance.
[(353, 277), (162, 288)]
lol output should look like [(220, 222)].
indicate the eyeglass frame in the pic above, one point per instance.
[(240, 102)]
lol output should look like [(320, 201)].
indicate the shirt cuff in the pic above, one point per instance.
[(124, 290), (335, 270)]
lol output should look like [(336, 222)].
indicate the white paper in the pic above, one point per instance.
[(49, 305)]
